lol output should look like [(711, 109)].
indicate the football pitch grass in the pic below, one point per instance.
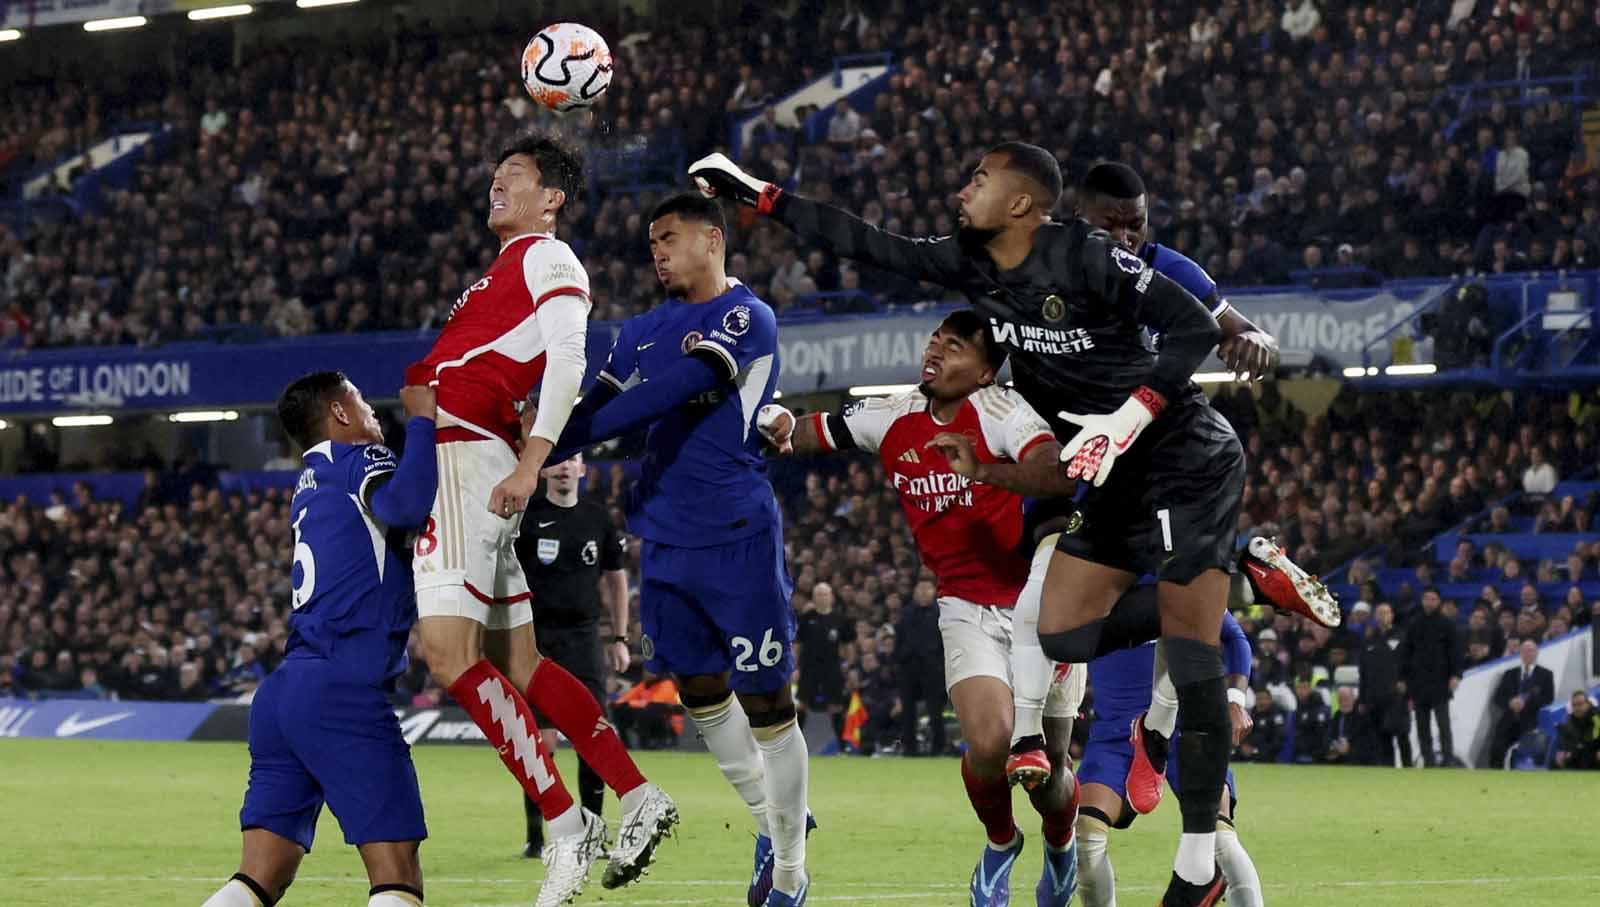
[(87, 823)]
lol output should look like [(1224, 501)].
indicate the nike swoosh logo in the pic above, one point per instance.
[(543, 524), (1257, 570), (986, 885), (645, 346), (72, 726)]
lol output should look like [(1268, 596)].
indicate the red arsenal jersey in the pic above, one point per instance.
[(968, 534), (490, 354)]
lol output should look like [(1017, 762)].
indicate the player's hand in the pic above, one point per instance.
[(510, 497), (618, 656), (1242, 722), (776, 424), (1516, 703), (1102, 438), (1252, 355), (419, 400), (958, 449), (718, 177), (1454, 682)]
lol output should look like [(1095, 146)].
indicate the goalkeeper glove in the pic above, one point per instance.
[(1103, 438), (718, 177)]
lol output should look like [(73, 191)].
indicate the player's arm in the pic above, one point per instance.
[(401, 495), (1038, 475), (933, 260), (1237, 657), (614, 595), (689, 377), (861, 426), (1246, 350)]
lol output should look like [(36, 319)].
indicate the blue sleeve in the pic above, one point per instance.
[(647, 402), (623, 361), (1187, 274), (744, 331), (1235, 646), (405, 499)]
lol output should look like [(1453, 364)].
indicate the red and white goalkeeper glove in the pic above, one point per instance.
[(1103, 438), (718, 177)]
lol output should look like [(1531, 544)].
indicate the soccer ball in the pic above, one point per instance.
[(566, 66)]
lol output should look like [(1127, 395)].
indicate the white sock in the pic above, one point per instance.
[(1163, 714), (1196, 862), (632, 799), (1031, 671), (788, 768), (726, 730), (568, 823), (233, 894), (1097, 884), (1244, 885), (393, 899), (1240, 593)]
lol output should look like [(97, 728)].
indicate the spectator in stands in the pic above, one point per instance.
[(1271, 668), (919, 669), (1430, 668), (1351, 737), (1540, 477), (1519, 695), (1312, 718), (192, 686), (1578, 738), (1267, 732)]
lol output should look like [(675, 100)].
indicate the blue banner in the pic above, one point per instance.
[(205, 375), (102, 720)]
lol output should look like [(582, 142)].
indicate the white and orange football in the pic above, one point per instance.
[(566, 66)]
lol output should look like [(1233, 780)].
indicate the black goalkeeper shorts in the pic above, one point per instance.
[(1170, 508)]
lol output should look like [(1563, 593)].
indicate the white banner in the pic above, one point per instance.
[(1309, 323), (34, 13)]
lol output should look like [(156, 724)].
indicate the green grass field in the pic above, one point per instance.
[(88, 823)]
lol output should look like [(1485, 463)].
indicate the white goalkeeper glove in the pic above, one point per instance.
[(718, 177), (1103, 438), (776, 424)]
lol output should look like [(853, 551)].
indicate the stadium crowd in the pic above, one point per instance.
[(185, 597), (322, 189)]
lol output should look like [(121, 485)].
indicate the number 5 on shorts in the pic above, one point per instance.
[(771, 652)]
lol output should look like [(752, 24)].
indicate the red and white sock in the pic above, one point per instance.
[(573, 710), (503, 716), (991, 800)]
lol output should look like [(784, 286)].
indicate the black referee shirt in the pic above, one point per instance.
[(562, 551)]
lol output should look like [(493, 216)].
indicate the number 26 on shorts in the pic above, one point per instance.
[(770, 653)]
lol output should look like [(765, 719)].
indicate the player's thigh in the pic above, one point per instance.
[(1190, 507), (393, 863), (1103, 773), (1194, 610), (352, 744), (1077, 591), (457, 556), (1098, 798), (744, 587), (677, 636), (282, 796), (985, 713), (450, 644)]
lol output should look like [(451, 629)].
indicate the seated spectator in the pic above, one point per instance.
[(1267, 733), (1311, 720), (1352, 739), (1540, 477), (1578, 738), (1521, 692)]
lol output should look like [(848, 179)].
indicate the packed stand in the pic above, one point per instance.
[(320, 190)]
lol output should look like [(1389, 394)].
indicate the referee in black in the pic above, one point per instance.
[(573, 558)]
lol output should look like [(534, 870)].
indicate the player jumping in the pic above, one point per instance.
[(1072, 308), (1122, 688), (321, 729), (972, 536), (715, 592), (521, 326)]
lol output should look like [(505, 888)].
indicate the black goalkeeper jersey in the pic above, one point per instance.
[(1072, 316)]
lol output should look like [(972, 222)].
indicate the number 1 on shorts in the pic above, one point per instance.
[(1165, 516)]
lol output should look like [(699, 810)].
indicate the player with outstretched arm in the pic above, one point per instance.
[(1072, 309), (321, 727)]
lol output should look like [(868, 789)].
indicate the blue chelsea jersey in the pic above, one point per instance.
[(352, 591), (703, 480)]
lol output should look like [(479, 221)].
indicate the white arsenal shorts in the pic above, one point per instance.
[(464, 564)]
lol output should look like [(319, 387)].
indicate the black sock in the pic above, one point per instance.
[(1204, 739), (535, 821)]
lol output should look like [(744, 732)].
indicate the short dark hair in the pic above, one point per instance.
[(559, 166), (1113, 180), (1036, 164), (968, 324), (304, 402), (692, 206)]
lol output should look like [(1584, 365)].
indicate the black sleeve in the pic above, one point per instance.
[(937, 260), (1188, 332), (613, 546), (839, 434)]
